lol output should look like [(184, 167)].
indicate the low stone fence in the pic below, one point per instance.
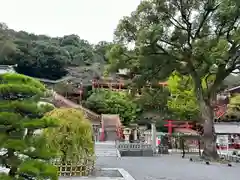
[(133, 146), (134, 149)]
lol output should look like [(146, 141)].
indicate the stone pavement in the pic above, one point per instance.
[(169, 167)]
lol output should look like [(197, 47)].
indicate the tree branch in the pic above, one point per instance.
[(231, 28), (234, 51), (179, 25), (209, 9), (221, 74), (185, 19), (169, 43)]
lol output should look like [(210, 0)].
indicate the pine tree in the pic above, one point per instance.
[(23, 151)]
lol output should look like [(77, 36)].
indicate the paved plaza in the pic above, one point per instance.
[(170, 167), (166, 167)]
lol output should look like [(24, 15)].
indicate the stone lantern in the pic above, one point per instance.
[(127, 132)]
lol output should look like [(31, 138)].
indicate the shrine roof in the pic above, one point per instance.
[(227, 128), (49, 81), (232, 81), (237, 88)]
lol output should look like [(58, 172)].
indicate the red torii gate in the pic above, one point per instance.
[(170, 125)]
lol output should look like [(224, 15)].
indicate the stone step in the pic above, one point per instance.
[(108, 148), (106, 153), (105, 149), (105, 146)]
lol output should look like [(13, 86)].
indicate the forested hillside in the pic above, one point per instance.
[(47, 57)]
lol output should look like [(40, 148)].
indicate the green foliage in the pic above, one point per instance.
[(22, 79), (3, 176), (233, 108), (182, 102), (153, 98), (153, 105), (112, 102), (38, 169), (20, 116), (195, 38), (46, 57), (102, 49), (74, 136)]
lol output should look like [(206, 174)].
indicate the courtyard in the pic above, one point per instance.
[(170, 167)]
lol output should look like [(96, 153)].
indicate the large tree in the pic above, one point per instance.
[(23, 152), (196, 38)]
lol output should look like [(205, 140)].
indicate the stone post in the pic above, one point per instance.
[(153, 133), (135, 134)]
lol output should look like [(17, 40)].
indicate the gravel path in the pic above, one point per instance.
[(170, 168)]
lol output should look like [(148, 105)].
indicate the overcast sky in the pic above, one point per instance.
[(93, 20)]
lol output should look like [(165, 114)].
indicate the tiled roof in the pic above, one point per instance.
[(227, 128), (237, 88)]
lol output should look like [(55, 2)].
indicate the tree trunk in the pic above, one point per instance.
[(11, 158), (207, 117), (12, 172), (209, 136)]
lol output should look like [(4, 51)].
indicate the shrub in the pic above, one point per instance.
[(112, 102), (73, 137)]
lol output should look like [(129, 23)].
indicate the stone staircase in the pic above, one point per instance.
[(106, 149)]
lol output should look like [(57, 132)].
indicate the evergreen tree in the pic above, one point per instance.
[(199, 39), (23, 151)]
